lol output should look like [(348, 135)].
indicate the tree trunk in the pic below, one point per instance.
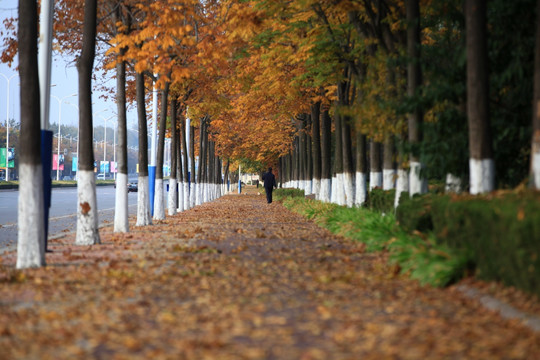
[(193, 188), (87, 214), (375, 172), (185, 164), (326, 149), (389, 172), (302, 151), (159, 205), (309, 157), (481, 163), (179, 168), (296, 163), (206, 167), (338, 193), (535, 149), (121, 223), (200, 173), (31, 227), (402, 182), (143, 196), (418, 184), (172, 203), (226, 176), (361, 169), (348, 166), (316, 146)]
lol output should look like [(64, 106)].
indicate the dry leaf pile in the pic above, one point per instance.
[(238, 279)]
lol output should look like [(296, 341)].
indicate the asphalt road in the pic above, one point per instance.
[(62, 214)]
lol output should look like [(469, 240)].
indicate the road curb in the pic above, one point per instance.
[(505, 310)]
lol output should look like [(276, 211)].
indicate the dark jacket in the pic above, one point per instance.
[(269, 180)]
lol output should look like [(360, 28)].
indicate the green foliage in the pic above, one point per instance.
[(369, 227), (280, 194), (499, 234), (381, 201), (415, 214), (428, 261)]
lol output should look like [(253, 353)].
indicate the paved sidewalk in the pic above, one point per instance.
[(239, 279)]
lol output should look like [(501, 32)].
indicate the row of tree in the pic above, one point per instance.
[(31, 241), (340, 93)]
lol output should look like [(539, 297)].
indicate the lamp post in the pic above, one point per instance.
[(105, 139), (8, 79), (60, 101)]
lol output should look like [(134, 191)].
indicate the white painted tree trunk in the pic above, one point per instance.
[(453, 184), (206, 192), (171, 203), (159, 206), (31, 230), (482, 174), (333, 191), (361, 189), (375, 180), (326, 189), (389, 179), (143, 203), (193, 195), (340, 189), (186, 195), (348, 188), (180, 187), (417, 184), (87, 214), (198, 194), (309, 187), (317, 188), (402, 185), (121, 219)]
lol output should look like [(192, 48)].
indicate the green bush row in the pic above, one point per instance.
[(421, 257), (381, 201), (500, 233), (283, 193)]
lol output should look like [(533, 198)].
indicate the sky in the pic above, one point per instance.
[(64, 83)]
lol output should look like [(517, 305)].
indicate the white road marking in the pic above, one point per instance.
[(60, 217)]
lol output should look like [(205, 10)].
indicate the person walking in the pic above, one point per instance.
[(269, 184)]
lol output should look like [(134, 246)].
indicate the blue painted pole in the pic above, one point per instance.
[(151, 186), (46, 163)]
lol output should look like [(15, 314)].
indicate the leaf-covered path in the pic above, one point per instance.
[(238, 279)]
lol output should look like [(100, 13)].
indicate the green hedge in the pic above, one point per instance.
[(500, 233), (381, 201), (283, 193)]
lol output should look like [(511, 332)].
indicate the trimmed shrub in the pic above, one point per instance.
[(283, 193), (498, 233), (415, 213), (501, 233), (381, 201)]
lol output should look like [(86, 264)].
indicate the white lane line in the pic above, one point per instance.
[(60, 217)]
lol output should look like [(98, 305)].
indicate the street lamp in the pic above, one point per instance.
[(8, 79), (59, 134), (105, 138)]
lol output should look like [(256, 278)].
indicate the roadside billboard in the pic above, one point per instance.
[(56, 163), (7, 156)]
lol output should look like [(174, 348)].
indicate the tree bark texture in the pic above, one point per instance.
[(480, 142), (162, 129), (143, 126), (31, 227), (316, 138)]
